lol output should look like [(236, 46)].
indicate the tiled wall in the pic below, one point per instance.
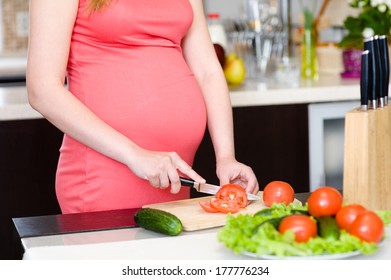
[(15, 26)]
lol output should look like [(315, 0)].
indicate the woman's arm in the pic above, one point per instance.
[(201, 57), (51, 25)]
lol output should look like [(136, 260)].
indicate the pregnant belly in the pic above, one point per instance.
[(151, 97)]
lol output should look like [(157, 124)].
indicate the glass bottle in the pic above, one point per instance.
[(309, 61)]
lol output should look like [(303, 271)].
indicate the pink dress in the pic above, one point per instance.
[(126, 65)]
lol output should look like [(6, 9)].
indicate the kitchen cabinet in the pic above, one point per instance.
[(28, 160), (273, 140), (271, 136)]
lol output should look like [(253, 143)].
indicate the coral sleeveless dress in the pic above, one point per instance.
[(126, 65)]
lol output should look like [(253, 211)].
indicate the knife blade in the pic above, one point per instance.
[(208, 188)]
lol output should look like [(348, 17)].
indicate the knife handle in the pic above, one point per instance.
[(365, 79), (186, 182), (380, 70), (383, 41), (373, 75)]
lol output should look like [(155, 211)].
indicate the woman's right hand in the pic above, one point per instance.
[(162, 169)]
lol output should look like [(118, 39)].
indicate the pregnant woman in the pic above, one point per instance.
[(143, 83)]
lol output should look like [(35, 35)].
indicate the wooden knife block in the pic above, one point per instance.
[(367, 158)]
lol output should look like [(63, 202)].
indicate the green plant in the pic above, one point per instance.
[(374, 18)]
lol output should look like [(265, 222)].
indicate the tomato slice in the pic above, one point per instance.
[(233, 193), (207, 207), (224, 206)]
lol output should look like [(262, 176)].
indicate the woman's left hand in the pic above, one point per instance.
[(234, 172)]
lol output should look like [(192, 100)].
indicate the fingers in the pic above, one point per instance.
[(189, 172), (252, 185), (175, 182), (184, 169), (241, 175), (166, 169)]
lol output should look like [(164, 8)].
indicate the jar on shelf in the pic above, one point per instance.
[(218, 36), (216, 30)]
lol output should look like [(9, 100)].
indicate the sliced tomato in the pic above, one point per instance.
[(224, 206), (233, 193), (207, 207)]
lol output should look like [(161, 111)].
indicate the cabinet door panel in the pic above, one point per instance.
[(29, 152), (273, 140)]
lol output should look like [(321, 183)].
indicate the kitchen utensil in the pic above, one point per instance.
[(208, 188), (365, 79), (385, 59), (367, 158), (369, 45), (367, 149), (193, 217), (380, 70)]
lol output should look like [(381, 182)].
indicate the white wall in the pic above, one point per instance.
[(336, 9), (226, 8), (235, 8)]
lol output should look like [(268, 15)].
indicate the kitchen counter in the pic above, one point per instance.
[(114, 235), (139, 244), (14, 104), (330, 88)]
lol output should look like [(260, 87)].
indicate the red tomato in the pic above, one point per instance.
[(324, 201), (278, 192), (368, 226), (303, 226), (207, 207), (224, 206), (347, 214), (233, 193)]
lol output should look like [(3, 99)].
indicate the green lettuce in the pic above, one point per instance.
[(251, 234)]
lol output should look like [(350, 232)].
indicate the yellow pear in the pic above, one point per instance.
[(234, 69)]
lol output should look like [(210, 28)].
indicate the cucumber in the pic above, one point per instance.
[(158, 221), (264, 212), (269, 211), (328, 228), (275, 222)]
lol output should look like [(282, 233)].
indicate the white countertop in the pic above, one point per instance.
[(13, 65), (14, 104), (330, 88), (139, 244)]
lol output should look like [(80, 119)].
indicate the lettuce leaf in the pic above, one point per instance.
[(248, 233)]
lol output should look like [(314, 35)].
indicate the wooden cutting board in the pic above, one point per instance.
[(193, 217)]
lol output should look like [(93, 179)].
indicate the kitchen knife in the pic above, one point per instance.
[(365, 79), (369, 45), (380, 68), (383, 44), (208, 188)]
